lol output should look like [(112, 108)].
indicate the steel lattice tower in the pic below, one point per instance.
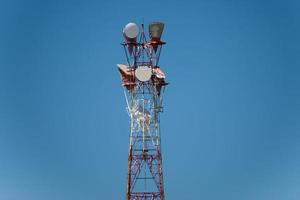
[(144, 83)]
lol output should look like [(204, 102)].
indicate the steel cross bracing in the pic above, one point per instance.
[(145, 176)]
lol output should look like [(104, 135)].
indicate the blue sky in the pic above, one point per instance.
[(231, 126)]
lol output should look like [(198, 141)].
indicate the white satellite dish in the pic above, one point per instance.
[(131, 30), (143, 73)]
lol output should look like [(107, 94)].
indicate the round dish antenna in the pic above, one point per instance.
[(131, 31), (143, 73)]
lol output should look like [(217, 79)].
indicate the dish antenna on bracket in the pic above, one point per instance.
[(130, 32)]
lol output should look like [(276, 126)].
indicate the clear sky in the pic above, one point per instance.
[(231, 126)]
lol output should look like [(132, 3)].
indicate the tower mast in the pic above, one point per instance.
[(144, 83)]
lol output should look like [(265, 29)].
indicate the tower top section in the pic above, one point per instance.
[(143, 49), (142, 54)]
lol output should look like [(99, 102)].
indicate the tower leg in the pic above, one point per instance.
[(129, 173)]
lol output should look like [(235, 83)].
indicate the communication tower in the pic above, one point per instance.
[(144, 83)]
